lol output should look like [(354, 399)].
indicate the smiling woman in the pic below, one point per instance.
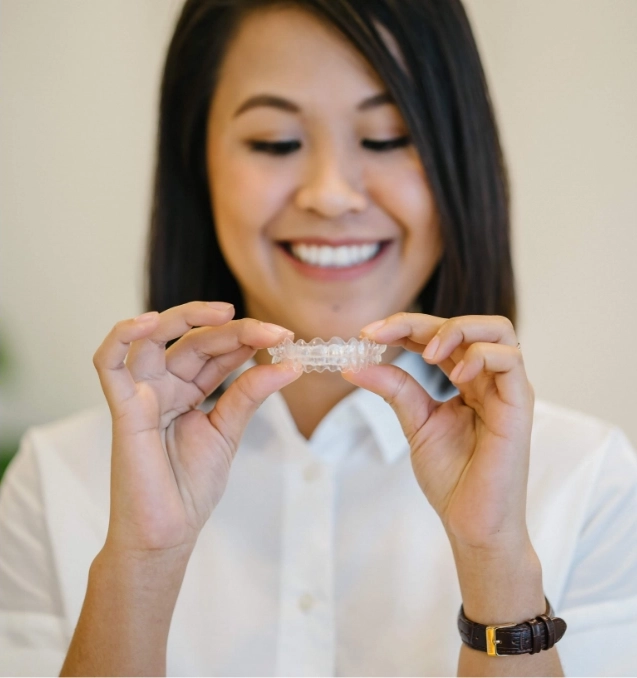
[(343, 104), (282, 219), (325, 168)]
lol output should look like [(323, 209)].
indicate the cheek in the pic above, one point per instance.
[(245, 200), (247, 195), (405, 195)]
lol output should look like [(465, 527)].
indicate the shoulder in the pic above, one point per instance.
[(62, 470), (84, 426), (574, 451), (86, 434), (68, 454), (575, 437)]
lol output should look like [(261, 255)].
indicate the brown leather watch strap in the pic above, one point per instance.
[(529, 637)]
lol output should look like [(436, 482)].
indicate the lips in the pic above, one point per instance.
[(329, 260), (342, 256)]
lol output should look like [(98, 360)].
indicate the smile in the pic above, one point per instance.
[(330, 256)]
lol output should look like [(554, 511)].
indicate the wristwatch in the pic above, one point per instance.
[(530, 636)]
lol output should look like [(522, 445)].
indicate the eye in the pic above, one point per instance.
[(388, 145), (274, 147)]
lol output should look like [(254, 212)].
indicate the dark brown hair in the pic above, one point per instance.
[(444, 101)]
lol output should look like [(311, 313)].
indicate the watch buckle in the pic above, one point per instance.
[(492, 642)]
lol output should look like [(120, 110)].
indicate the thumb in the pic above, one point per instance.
[(409, 400), (235, 407)]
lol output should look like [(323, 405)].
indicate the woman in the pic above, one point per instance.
[(332, 169)]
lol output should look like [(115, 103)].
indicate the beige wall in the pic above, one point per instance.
[(564, 79), (78, 88)]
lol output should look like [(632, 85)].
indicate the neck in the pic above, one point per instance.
[(314, 394)]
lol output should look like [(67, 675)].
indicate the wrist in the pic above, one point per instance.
[(500, 586), (125, 620), (144, 585), (157, 570)]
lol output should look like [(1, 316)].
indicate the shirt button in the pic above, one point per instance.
[(311, 473), (306, 602)]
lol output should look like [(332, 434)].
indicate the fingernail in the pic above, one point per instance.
[(220, 305), (372, 327), (276, 329), (431, 349), (455, 373), (145, 317)]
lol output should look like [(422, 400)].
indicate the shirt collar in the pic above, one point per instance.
[(380, 416), (376, 413)]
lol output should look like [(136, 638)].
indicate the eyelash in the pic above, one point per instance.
[(287, 147)]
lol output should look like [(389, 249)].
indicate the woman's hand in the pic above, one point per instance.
[(170, 461), (169, 468), (470, 454)]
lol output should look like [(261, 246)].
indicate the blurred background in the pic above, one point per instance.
[(78, 95)]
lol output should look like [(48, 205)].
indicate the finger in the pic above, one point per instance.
[(409, 400), (422, 328), (441, 337), (236, 406), (147, 358), (214, 372), (504, 362), (469, 329), (186, 357), (176, 321), (410, 330), (109, 359)]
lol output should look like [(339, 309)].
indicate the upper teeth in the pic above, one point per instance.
[(335, 257)]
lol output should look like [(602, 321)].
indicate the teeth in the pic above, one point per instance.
[(335, 257), (325, 256)]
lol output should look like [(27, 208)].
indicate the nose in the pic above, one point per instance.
[(327, 191)]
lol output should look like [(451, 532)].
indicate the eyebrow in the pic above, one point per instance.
[(282, 104)]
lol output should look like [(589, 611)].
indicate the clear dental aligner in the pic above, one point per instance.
[(333, 355)]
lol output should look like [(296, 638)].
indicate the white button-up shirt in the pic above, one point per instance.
[(323, 557)]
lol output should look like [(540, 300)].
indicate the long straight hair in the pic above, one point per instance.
[(445, 103)]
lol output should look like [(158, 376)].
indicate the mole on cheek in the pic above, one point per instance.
[(336, 308)]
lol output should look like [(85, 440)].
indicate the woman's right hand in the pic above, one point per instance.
[(170, 461)]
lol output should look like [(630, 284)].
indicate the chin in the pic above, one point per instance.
[(327, 325)]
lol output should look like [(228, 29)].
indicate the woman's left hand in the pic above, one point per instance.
[(470, 454)]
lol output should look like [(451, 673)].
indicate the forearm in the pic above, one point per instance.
[(124, 623), (501, 589)]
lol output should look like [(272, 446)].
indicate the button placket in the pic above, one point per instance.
[(306, 602), (312, 472), (306, 633)]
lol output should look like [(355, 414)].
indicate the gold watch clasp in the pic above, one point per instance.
[(492, 642)]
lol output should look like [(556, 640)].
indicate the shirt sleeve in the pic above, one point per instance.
[(32, 637), (600, 601)]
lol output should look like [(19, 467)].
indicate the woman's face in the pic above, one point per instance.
[(323, 212)]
